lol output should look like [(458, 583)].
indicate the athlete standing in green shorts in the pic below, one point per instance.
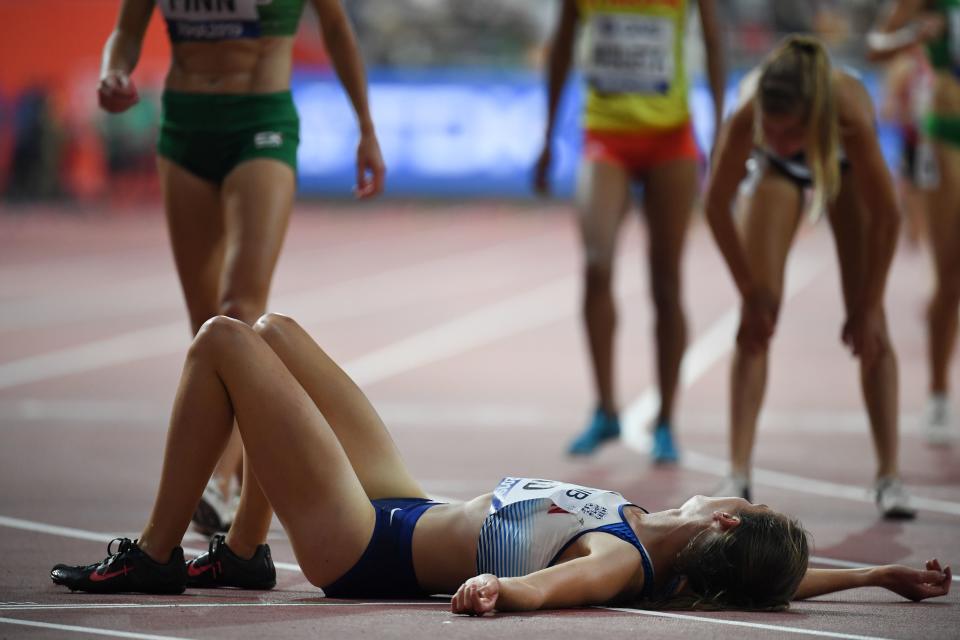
[(227, 151), (935, 24)]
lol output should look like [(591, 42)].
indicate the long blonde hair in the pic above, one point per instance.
[(796, 78)]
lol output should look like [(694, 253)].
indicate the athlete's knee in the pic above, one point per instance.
[(598, 276), (597, 258), (275, 326), (219, 333), (665, 290), (198, 318)]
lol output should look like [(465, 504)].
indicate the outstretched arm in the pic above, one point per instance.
[(597, 578), (913, 584), (341, 43)]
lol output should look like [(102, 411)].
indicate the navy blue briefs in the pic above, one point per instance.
[(385, 570)]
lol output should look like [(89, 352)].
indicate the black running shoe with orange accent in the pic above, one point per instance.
[(221, 567), (128, 569)]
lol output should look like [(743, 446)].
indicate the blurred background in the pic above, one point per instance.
[(456, 89)]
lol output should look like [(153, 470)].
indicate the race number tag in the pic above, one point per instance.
[(571, 498), (211, 19), (630, 54)]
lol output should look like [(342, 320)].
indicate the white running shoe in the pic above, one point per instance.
[(214, 512), (893, 501), (733, 486), (936, 421)]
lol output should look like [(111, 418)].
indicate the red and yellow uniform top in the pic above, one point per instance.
[(634, 66)]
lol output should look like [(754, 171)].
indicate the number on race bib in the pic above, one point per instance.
[(631, 54)]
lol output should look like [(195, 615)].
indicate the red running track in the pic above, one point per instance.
[(462, 323)]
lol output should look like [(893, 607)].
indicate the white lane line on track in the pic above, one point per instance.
[(846, 564), (641, 612), (219, 605), (82, 534), (529, 310), (789, 482), (339, 301), (710, 347), (88, 630), (448, 416), (738, 623), (94, 536)]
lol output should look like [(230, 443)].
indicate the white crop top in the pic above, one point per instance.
[(532, 521)]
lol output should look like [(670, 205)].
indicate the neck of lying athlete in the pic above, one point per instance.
[(664, 534)]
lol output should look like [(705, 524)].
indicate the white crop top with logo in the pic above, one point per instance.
[(532, 521)]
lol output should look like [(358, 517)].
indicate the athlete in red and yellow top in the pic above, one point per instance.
[(635, 72), (636, 129)]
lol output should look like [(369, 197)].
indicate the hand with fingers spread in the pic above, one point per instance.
[(541, 172), (476, 596), (116, 92), (916, 584), (370, 167), (758, 318)]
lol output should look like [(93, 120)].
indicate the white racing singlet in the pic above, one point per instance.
[(532, 521)]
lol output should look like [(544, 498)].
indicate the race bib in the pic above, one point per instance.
[(571, 498), (630, 54), (212, 19)]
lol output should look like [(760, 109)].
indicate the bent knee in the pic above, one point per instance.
[(598, 256), (220, 332), (598, 274), (271, 325)]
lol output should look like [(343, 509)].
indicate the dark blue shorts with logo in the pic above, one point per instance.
[(385, 570)]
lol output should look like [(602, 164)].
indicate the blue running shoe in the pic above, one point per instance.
[(603, 426), (664, 451)]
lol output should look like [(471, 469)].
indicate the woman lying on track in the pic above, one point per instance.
[(361, 526)]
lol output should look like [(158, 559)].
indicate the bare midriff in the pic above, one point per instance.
[(445, 544), (254, 65)]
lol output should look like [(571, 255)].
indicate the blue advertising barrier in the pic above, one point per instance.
[(460, 133)]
